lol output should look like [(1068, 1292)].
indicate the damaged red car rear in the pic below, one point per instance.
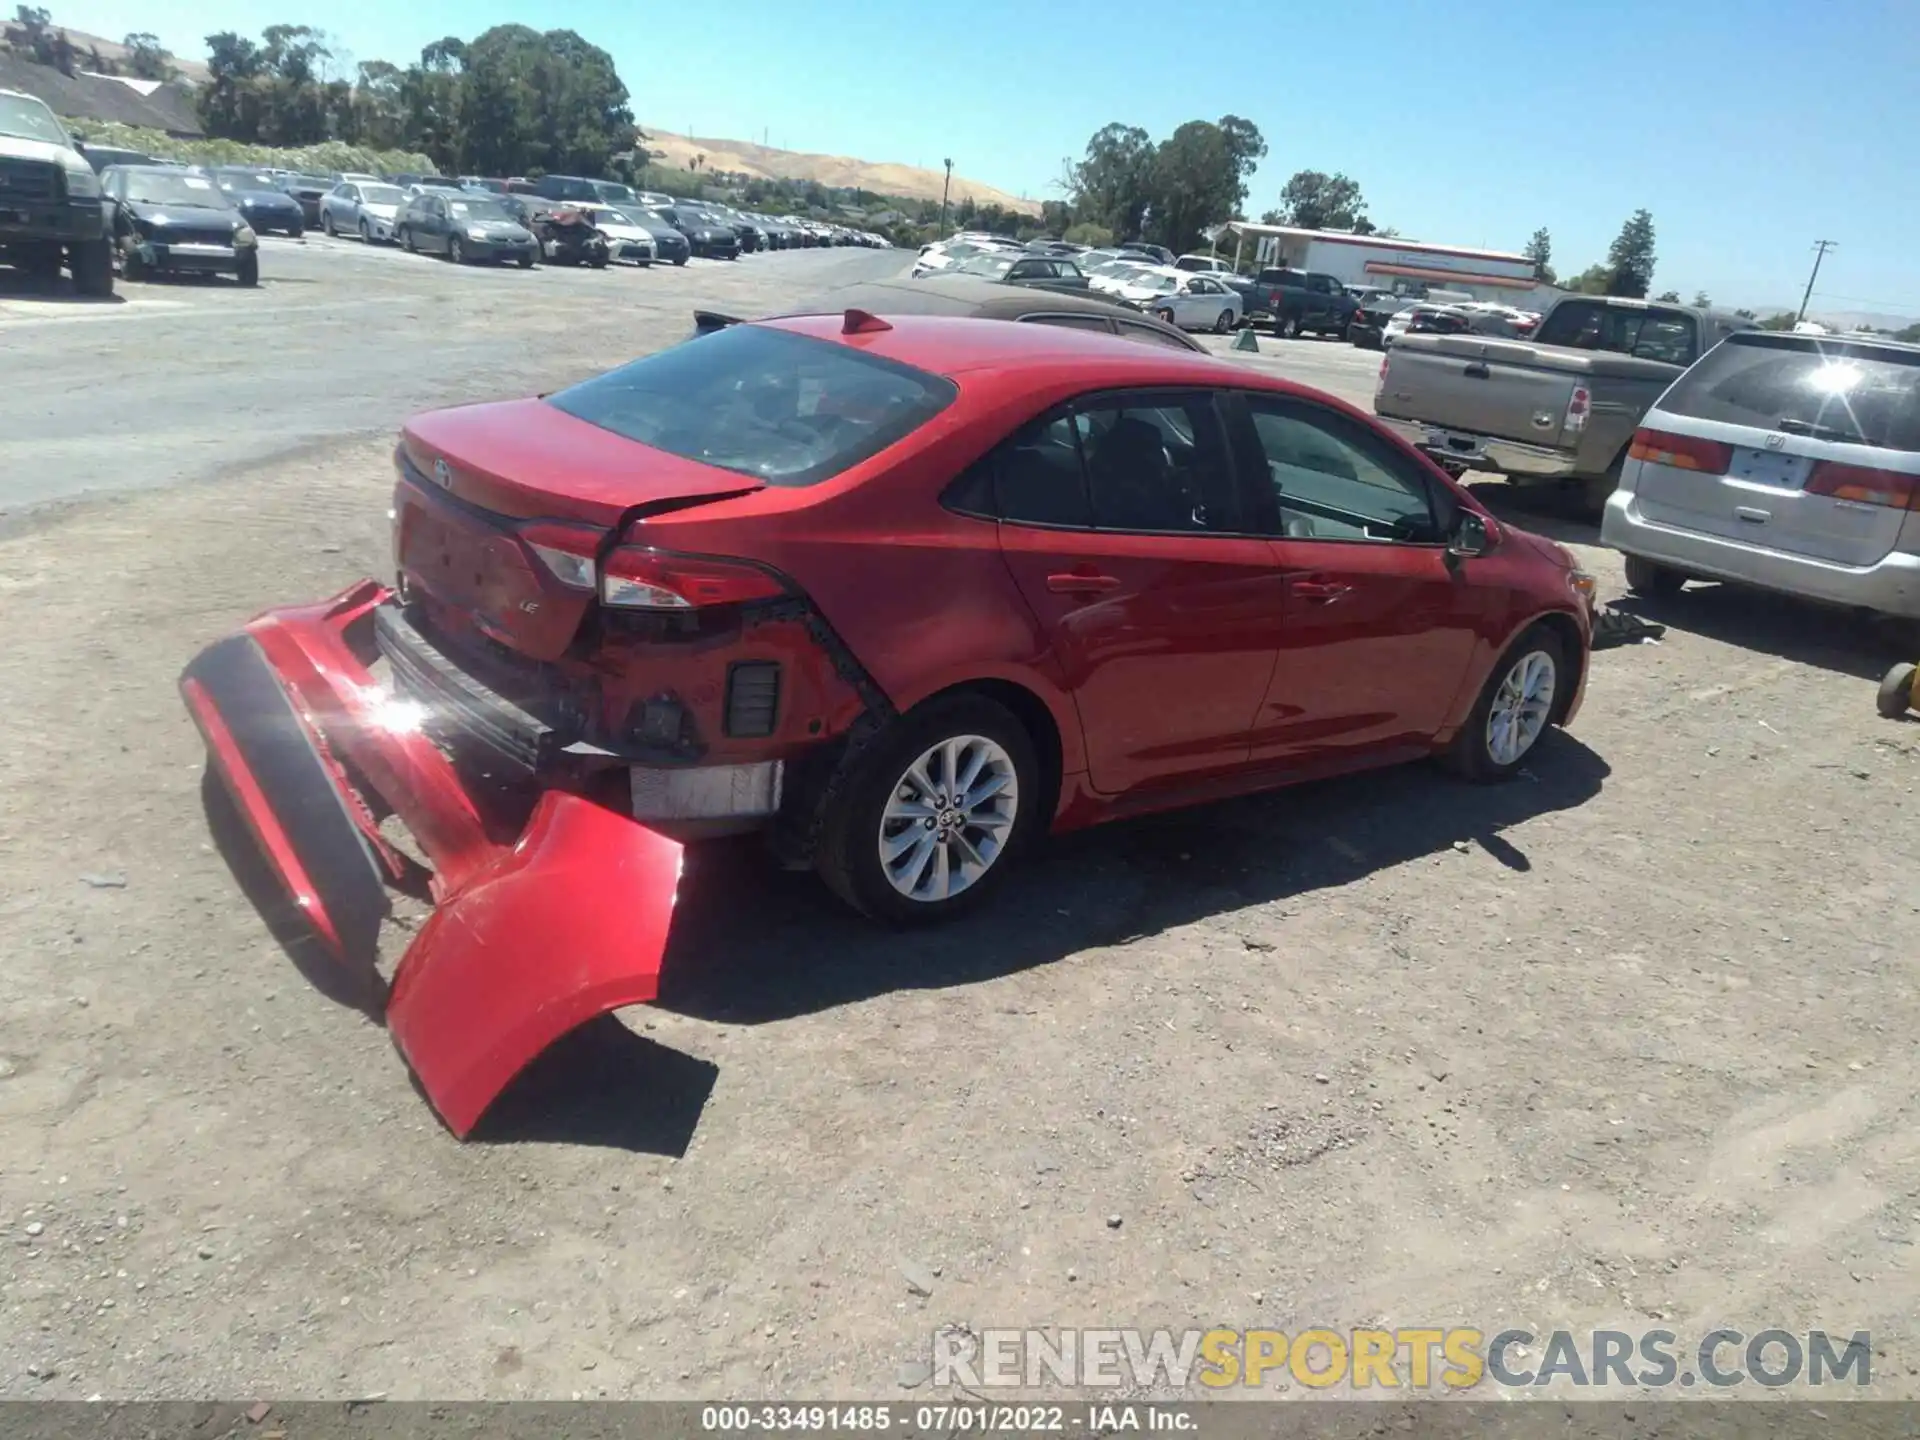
[(902, 594)]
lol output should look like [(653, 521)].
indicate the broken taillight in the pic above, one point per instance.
[(567, 551), (636, 577)]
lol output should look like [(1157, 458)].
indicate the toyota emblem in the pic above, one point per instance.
[(442, 474)]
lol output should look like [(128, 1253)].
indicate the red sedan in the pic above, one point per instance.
[(908, 594)]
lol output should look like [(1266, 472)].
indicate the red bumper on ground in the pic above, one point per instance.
[(532, 934)]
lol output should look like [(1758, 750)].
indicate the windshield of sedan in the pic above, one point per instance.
[(607, 215), (779, 407), (994, 265), (28, 119), (245, 180), (381, 195), (1155, 284), (173, 187), (480, 212)]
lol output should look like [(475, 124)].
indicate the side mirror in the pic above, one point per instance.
[(1471, 536)]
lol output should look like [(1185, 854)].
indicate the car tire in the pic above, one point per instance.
[(1653, 580), (1486, 751), (298, 231), (1896, 692), (249, 272), (526, 261), (1165, 317), (456, 252), (1287, 328), (132, 267), (92, 264), (327, 227), (1223, 322), (679, 260), (856, 826), (406, 240), (366, 232)]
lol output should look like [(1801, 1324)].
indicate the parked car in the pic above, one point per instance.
[(369, 209), (1560, 408), (1042, 272), (307, 191), (707, 238), (463, 227), (669, 245), (627, 238), (1368, 328), (1790, 462), (1204, 264), (409, 181), (260, 200), (1197, 301), (101, 156), (569, 187), (1300, 302), (951, 254), (166, 220), (1424, 318), (1159, 254), (713, 590), (54, 211), (482, 182)]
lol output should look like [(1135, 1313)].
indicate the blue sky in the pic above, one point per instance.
[(1750, 128)]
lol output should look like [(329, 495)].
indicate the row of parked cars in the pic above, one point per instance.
[(102, 211)]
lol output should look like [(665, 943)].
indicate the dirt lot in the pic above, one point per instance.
[(1617, 1044)]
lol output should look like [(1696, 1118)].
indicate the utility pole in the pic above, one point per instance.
[(1820, 249), (944, 189)]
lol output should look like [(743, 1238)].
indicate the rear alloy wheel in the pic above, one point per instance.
[(455, 251), (1513, 711), (326, 226), (1223, 322), (406, 240), (1656, 582), (366, 231), (925, 825)]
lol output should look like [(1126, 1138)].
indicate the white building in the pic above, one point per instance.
[(1390, 263)]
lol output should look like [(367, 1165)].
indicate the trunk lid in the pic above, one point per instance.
[(482, 486)]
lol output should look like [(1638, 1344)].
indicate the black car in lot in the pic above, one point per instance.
[(307, 192), (167, 220), (260, 200), (1369, 322), (669, 245), (705, 235), (464, 226)]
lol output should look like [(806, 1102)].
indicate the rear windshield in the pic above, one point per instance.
[(1665, 335), (780, 407), (1832, 391)]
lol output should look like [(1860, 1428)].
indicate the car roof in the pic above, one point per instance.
[(968, 296)]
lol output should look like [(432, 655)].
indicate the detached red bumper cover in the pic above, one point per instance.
[(532, 934)]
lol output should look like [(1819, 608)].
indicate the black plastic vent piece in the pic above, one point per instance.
[(753, 698)]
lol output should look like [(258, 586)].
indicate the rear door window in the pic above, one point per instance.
[(782, 408), (1856, 394), (1159, 464)]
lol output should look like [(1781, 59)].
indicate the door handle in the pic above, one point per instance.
[(1082, 581), (1320, 590)]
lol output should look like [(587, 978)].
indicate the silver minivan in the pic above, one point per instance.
[(1786, 461)]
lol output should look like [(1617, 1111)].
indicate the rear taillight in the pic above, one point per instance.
[(636, 578), (566, 550), (1864, 485), (1579, 406), (1680, 452)]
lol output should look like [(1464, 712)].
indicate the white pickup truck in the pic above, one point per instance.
[(50, 206)]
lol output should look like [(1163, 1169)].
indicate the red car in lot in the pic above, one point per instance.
[(908, 594)]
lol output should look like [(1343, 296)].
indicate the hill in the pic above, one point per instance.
[(766, 163)]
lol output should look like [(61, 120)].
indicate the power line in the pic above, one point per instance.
[(1820, 248)]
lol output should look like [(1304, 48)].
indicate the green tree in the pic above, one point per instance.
[(1540, 251), (147, 59), (1784, 320), (1631, 258), (1910, 335), (1593, 280), (1668, 297), (1746, 314), (1113, 185), (1314, 200), (1701, 300), (1198, 178)]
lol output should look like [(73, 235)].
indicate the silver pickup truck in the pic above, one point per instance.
[(1559, 408)]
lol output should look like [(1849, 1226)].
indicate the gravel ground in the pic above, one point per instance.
[(1616, 1044)]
